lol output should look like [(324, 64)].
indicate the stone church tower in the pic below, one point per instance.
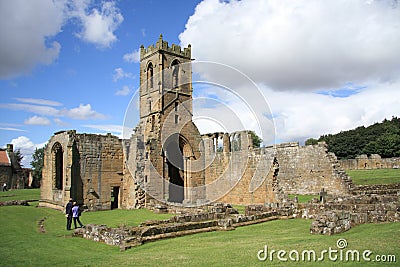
[(169, 143)]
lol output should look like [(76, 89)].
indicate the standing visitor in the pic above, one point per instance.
[(68, 214), (76, 214)]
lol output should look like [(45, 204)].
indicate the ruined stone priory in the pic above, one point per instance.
[(168, 162)]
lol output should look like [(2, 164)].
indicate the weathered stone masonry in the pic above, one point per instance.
[(374, 161), (167, 161), (85, 167)]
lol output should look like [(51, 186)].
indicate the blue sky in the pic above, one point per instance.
[(323, 66)]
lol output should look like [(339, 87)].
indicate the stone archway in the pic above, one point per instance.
[(58, 166), (178, 153)]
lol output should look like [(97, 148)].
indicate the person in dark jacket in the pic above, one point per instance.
[(68, 213)]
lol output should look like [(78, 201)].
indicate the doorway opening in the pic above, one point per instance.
[(114, 197)]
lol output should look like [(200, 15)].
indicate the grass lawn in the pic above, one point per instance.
[(304, 198), (378, 176), (20, 194), (22, 245)]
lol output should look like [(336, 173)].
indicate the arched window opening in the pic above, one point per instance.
[(149, 105), (175, 73), (150, 75), (58, 164)]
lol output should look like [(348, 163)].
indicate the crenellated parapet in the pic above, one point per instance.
[(163, 45)]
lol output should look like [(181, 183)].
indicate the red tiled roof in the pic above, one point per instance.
[(4, 159)]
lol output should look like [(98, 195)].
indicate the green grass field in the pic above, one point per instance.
[(303, 198), (378, 176), (24, 194), (22, 245)]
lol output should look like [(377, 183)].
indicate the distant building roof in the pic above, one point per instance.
[(4, 158)]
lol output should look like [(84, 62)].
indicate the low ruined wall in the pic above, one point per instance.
[(126, 237), (340, 214), (379, 189), (363, 162)]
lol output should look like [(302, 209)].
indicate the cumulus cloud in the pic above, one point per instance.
[(119, 73), (302, 45), (83, 112), (124, 91), (27, 28), (300, 115), (98, 25), (27, 147), (323, 66), (36, 120), (132, 57)]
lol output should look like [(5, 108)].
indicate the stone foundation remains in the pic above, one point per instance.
[(180, 225), (340, 214)]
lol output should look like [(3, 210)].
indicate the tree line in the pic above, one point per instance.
[(380, 138)]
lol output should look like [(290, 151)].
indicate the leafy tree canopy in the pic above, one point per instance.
[(256, 140), (37, 165), (380, 138)]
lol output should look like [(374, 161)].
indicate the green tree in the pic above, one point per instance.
[(311, 141), (18, 156), (380, 138), (256, 140), (37, 165)]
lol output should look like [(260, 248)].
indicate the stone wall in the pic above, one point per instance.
[(244, 175), (134, 196), (378, 189), (238, 174), (374, 161), (309, 169), (84, 167), (6, 175)]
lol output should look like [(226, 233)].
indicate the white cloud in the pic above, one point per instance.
[(124, 91), (29, 27), (132, 57), (27, 147), (36, 120), (83, 112), (12, 129), (324, 66), (38, 101), (301, 115), (120, 74), (40, 110), (306, 44), (26, 28), (59, 122), (98, 25)]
